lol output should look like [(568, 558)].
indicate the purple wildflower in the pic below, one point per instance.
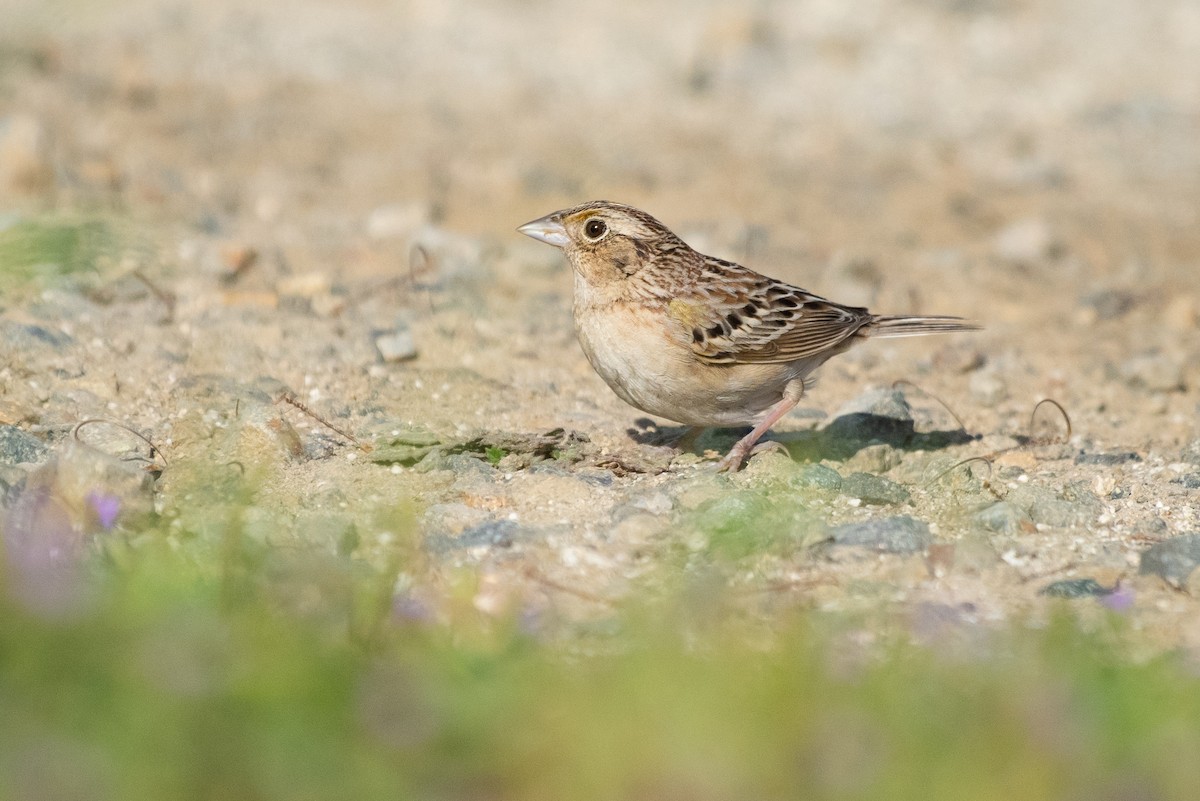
[(1119, 600), (106, 507)]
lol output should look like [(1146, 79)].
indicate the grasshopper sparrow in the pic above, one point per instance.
[(696, 339)]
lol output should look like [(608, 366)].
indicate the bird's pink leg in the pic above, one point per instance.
[(741, 449)]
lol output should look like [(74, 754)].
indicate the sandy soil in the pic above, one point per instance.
[(304, 179)]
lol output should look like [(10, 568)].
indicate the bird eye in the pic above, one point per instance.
[(595, 228)]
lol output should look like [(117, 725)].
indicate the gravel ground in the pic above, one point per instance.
[(317, 201)]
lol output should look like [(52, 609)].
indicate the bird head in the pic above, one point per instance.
[(604, 241)]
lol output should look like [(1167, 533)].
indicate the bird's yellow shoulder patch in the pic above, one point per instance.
[(689, 313)]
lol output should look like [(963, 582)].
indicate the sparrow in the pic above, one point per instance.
[(697, 339)]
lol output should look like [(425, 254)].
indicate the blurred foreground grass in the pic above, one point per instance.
[(224, 668), (42, 250)]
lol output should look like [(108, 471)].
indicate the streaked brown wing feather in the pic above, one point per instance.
[(739, 316)]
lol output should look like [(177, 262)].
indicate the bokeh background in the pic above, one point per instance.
[(206, 206), (1030, 164)]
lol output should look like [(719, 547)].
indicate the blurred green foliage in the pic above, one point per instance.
[(43, 250), (748, 522), (233, 669)]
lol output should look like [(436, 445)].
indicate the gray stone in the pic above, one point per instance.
[(396, 345), (12, 481), (902, 534), (874, 489), (17, 447), (1108, 304), (1080, 493), (1157, 372), (1004, 518), (1076, 588), (879, 416), (29, 337), (1060, 514), (1154, 529), (1107, 459), (438, 459), (1172, 560), (818, 477), (877, 458), (887, 403), (1189, 480), (490, 533), (656, 503), (1075, 506)]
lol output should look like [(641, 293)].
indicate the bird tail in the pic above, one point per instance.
[(904, 326)]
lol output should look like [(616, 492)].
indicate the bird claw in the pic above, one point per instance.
[(770, 445), (738, 454), (733, 460)]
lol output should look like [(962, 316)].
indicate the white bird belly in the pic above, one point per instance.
[(649, 371)]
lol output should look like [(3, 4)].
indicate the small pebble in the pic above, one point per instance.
[(876, 416), (1109, 459), (1004, 518), (1108, 304), (1172, 560), (489, 534), (34, 338), (396, 346), (874, 489), (17, 447), (1189, 481), (902, 534), (817, 476), (1076, 588), (1157, 372), (1076, 506), (886, 403)]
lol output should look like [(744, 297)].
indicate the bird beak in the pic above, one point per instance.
[(547, 229)]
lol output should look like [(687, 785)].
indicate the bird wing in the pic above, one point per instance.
[(736, 316)]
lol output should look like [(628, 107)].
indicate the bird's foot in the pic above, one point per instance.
[(744, 450), (770, 445), (733, 460)]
